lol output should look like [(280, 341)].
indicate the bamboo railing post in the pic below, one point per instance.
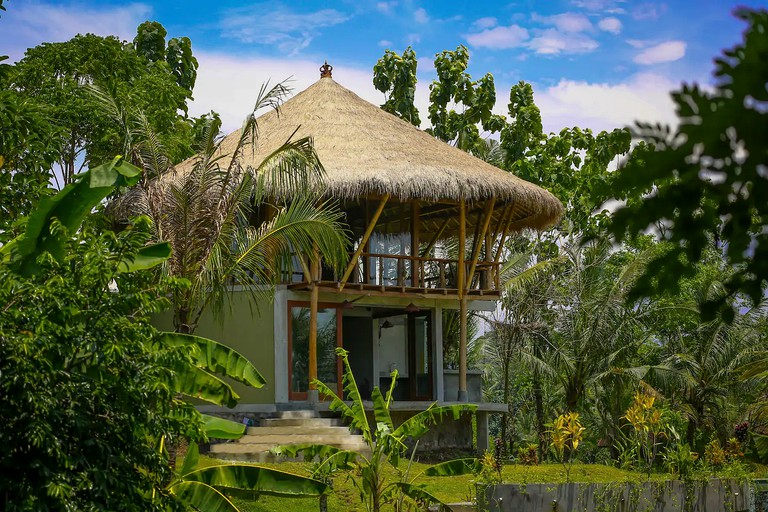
[(363, 241), (415, 232)]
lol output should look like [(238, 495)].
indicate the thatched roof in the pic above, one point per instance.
[(368, 152)]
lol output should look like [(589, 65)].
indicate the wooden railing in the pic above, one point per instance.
[(421, 272)]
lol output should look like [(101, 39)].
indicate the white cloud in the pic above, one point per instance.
[(420, 15), (499, 38), (648, 11), (27, 24), (668, 51), (553, 42), (637, 43), (229, 84), (484, 23), (612, 25), (606, 6), (386, 7), (412, 38), (566, 22), (385, 43), (277, 25), (601, 106)]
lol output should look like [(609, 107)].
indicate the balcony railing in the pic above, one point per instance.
[(404, 273)]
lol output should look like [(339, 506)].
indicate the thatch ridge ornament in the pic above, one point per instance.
[(326, 70)]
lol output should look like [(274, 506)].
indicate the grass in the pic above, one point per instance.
[(449, 489)]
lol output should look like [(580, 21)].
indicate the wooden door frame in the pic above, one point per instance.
[(412, 370), (302, 395)]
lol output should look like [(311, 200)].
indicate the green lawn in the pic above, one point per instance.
[(452, 489)]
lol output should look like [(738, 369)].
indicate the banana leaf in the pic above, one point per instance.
[(201, 496), (70, 206), (453, 467), (219, 428), (418, 425), (191, 459), (381, 408), (147, 257), (198, 383), (218, 358), (421, 496), (245, 479)]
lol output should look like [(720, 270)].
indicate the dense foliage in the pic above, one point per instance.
[(84, 399), (706, 180)]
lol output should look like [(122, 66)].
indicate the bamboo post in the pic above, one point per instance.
[(479, 236), (462, 395), (363, 241), (415, 232)]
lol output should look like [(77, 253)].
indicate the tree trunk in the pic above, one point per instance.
[(538, 400), (323, 503), (506, 417)]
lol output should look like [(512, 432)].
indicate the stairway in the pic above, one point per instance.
[(286, 428)]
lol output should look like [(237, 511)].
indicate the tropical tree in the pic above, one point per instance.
[(387, 444), (521, 325), (707, 176), (204, 211), (54, 76), (703, 360), (108, 373)]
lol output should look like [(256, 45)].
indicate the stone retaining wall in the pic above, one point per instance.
[(667, 496)]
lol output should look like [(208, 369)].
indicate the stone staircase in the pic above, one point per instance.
[(286, 428)]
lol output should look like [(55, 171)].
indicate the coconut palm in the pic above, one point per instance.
[(205, 210), (705, 360)]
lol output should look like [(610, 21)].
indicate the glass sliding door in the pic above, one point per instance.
[(420, 356), (328, 338)]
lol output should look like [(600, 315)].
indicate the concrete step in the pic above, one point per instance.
[(300, 414), (298, 430), (223, 449), (302, 422), (276, 439)]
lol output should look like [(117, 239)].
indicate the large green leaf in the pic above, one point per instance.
[(147, 257), (453, 467), (196, 382), (418, 425), (355, 412), (70, 206), (761, 446), (219, 428), (381, 408), (202, 497), (332, 458), (190, 459), (418, 494), (218, 358), (256, 479)]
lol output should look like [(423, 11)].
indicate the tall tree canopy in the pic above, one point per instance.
[(707, 180), (144, 75)]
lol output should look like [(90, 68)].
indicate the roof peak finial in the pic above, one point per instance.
[(325, 70)]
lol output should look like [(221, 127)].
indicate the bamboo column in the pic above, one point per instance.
[(415, 241), (462, 395)]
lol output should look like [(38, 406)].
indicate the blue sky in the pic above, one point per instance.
[(593, 63)]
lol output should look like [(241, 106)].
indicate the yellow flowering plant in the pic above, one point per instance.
[(566, 434)]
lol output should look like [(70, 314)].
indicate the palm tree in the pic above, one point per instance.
[(205, 212), (705, 362)]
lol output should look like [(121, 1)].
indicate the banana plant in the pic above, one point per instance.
[(387, 444), (200, 488), (210, 489)]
